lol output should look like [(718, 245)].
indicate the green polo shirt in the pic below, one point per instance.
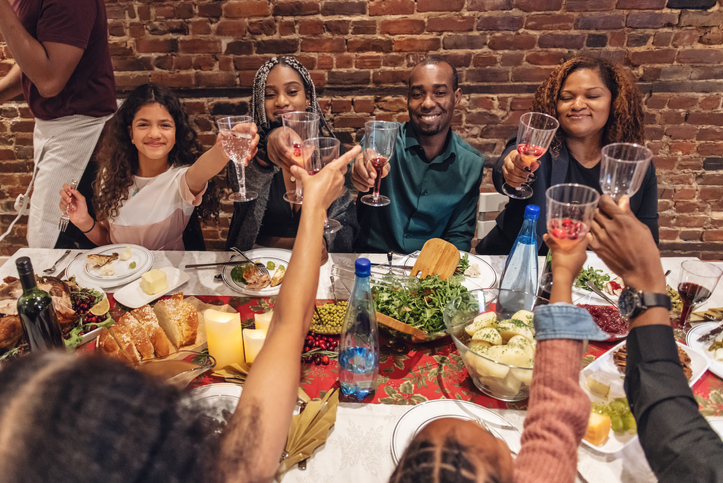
[(429, 198)]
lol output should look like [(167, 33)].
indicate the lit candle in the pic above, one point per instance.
[(263, 321), (253, 342), (223, 333)]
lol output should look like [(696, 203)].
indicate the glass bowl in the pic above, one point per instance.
[(178, 369), (494, 373)]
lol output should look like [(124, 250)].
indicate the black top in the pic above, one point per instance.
[(678, 442), (279, 219), (577, 173)]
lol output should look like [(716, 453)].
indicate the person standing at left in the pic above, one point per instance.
[(63, 69)]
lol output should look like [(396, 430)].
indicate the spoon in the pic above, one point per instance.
[(52, 269)]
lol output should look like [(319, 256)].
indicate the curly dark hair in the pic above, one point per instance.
[(118, 157), (625, 123)]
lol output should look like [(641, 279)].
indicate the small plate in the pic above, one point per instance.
[(133, 296), (486, 279), (265, 255), (716, 367), (91, 277), (422, 414)]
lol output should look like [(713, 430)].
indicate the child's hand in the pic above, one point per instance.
[(249, 128), (76, 205), (566, 262)]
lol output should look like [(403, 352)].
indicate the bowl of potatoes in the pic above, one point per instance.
[(494, 334)]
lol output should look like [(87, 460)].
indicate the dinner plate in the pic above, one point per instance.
[(616, 442), (124, 274), (264, 255), (486, 279), (422, 414), (133, 296), (716, 367), (716, 422)]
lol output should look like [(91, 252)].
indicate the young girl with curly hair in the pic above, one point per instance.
[(150, 176), (597, 102)]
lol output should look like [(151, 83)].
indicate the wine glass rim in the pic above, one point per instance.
[(715, 269), (381, 125), (642, 148), (531, 113), (306, 115), (316, 139), (242, 119), (572, 185)]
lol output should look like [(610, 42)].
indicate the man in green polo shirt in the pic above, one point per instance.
[(432, 180)]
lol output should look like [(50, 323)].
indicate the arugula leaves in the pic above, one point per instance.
[(463, 265), (75, 336), (590, 274)]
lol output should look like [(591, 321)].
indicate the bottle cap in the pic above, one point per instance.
[(24, 265), (532, 212), (362, 267)]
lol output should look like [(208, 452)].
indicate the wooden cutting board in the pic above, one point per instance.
[(438, 257)]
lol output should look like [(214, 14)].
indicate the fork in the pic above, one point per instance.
[(65, 218), (262, 267)]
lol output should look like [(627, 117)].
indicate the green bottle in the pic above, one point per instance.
[(36, 311)]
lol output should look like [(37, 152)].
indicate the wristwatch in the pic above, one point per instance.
[(633, 303)]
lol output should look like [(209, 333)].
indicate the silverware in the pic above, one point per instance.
[(52, 269), (710, 335), (667, 273), (390, 266), (65, 217), (602, 294), (216, 264), (261, 266), (64, 273)]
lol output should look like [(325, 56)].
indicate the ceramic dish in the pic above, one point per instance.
[(132, 296), (85, 276), (486, 279), (593, 299), (716, 422), (617, 441), (89, 336), (716, 367), (422, 414), (264, 255)]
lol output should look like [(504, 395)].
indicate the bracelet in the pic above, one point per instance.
[(91, 228)]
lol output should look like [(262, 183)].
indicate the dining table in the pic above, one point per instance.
[(358, 447)]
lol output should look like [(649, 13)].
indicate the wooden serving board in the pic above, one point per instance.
[(438, 257)]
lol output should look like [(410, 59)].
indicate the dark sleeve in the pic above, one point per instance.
[(678, 442), (497, 177), (648, 210), (343, 210), (65, 22)]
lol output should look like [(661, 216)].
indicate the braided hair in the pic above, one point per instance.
[(258, 105)]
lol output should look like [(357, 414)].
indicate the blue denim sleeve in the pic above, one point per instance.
[(565, 321)]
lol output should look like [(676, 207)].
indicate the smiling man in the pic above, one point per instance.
[(433, 178)]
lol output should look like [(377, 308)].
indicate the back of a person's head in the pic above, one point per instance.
[(65, 418)]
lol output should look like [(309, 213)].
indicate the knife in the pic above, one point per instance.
[(602, 294), (217, 264)]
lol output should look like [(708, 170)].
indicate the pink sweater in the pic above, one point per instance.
[(558, 415)]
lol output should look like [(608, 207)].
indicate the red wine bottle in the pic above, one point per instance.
[(36, 311)]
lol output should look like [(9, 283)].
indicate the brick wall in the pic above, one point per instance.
[(360, 53)]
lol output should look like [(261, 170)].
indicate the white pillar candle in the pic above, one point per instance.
[(253, 342), (223, 333), (263, 321)]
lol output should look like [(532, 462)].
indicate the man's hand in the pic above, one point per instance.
[(515, 170), (328, 184), (566, 266), (363, 174), (626, 245)]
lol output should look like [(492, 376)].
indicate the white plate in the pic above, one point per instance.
[(276, 255), (616, 442), (486, 279), (88, 336), (716, 367), (716, 422), (91, 277), (133, 296), (422, 414)]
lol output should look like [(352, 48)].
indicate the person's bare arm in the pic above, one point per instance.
[(48, 65), (10, 85), (74, 202), (252, 444)]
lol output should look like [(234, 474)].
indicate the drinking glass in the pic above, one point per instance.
[(323, 150), (379, 140), (237, 145), (623, 168), (570, 210), (305, 125), (697, 282), (534, 136)]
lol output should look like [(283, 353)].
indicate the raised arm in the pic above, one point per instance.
[(10, 85), (252, 444)]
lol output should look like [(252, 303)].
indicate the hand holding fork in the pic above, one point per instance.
[(65, 217)]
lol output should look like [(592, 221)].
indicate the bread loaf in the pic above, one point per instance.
[(147, 318), (107, 345), (178, 319), (121, 331)]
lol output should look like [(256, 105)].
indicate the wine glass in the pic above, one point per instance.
[(570, 210), (623, 168), (237, 145), (379, 140), (534, 136), (322, 151), (306, 126), (697, 282)]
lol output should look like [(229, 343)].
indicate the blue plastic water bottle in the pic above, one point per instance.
[(359, 345), (520, 272)]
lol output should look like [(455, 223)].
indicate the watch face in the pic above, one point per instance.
[(628, 303)]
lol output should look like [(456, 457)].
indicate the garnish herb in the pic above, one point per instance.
[(598, 277)]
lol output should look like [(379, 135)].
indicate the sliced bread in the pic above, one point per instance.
[(140, 337), (148, 320), (108, 346), (121, 331), (178, 319)]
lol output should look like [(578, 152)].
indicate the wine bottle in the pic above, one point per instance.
[(545, 286), (36, 311)]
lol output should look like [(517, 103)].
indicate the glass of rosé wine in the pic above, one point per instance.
[(697, 282), (623, 168), (319, 152), (379, 140), (236, 144), (570, 210), (534, 136), (304, 125)]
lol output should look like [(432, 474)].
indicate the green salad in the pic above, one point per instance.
[(598, 277)]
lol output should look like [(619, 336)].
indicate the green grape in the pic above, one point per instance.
[(618, 407), (629, 422), (617, 423)]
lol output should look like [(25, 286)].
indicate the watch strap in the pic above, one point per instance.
[(651, 299)]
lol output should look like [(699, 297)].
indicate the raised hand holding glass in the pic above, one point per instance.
[(306, 126), (623, 168), (379, 140), (236, 144), (570, 210), (323, 151)]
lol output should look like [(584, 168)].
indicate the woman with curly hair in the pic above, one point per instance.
[(150, 177), (597, 103), (282, 85)]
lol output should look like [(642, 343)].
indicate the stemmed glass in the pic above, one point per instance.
[(623, 168), (322, 151), (237, 146), (306, 126), (534, 136), (379, 140), (570, 210), (697, 282)]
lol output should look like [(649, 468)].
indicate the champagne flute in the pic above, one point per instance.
[(570, 210), (379, 140), (697, 282), (323, 150), (237, 146), (534, 136), (623, 168), (306, 126)]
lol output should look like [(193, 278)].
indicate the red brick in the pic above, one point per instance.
[(296, 8), (600, 21), (287, 27), (487, 74), (364, 105), (337, 27), (710, 149), (459, 60), (231, 28), (616, 39), (685, 38), (641, 4), (662, 39), (545, 58), (484, 60), (683, 148), (200, 46), (200, 27), (549, 22), (277, 46), (149, 45), (311, 27), (175, 79), (246, 8), (440, 5), (210, 9), (395, 76), (350, 121), (402, 26), (711, 179), (323, 45), (500, 22), (710, 134), (700, 56), (392, 104), (364, 27), (712, 37), (369, 45), (340, 105), (477, 102), (344, 8), (204, 62), (531, 74), (368, 61), (512, 42), (131, 63), (351, 77), (450, 24), (589, 5), (391, 7), (705, 118), (710, 193), (650, 56), (266, 26), (651, 20), (465, 42), (245, 47), (693, 18), (183, 11), (561, 41), (713, 235), (681, 132), (416, 44), (489, 5), (216, 79), (344, 61), (710, 103)]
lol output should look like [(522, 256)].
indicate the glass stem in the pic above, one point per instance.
[(241, 176), (684, 314)]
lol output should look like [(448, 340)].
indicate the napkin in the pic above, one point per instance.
[(235, 373), (309, 430)]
